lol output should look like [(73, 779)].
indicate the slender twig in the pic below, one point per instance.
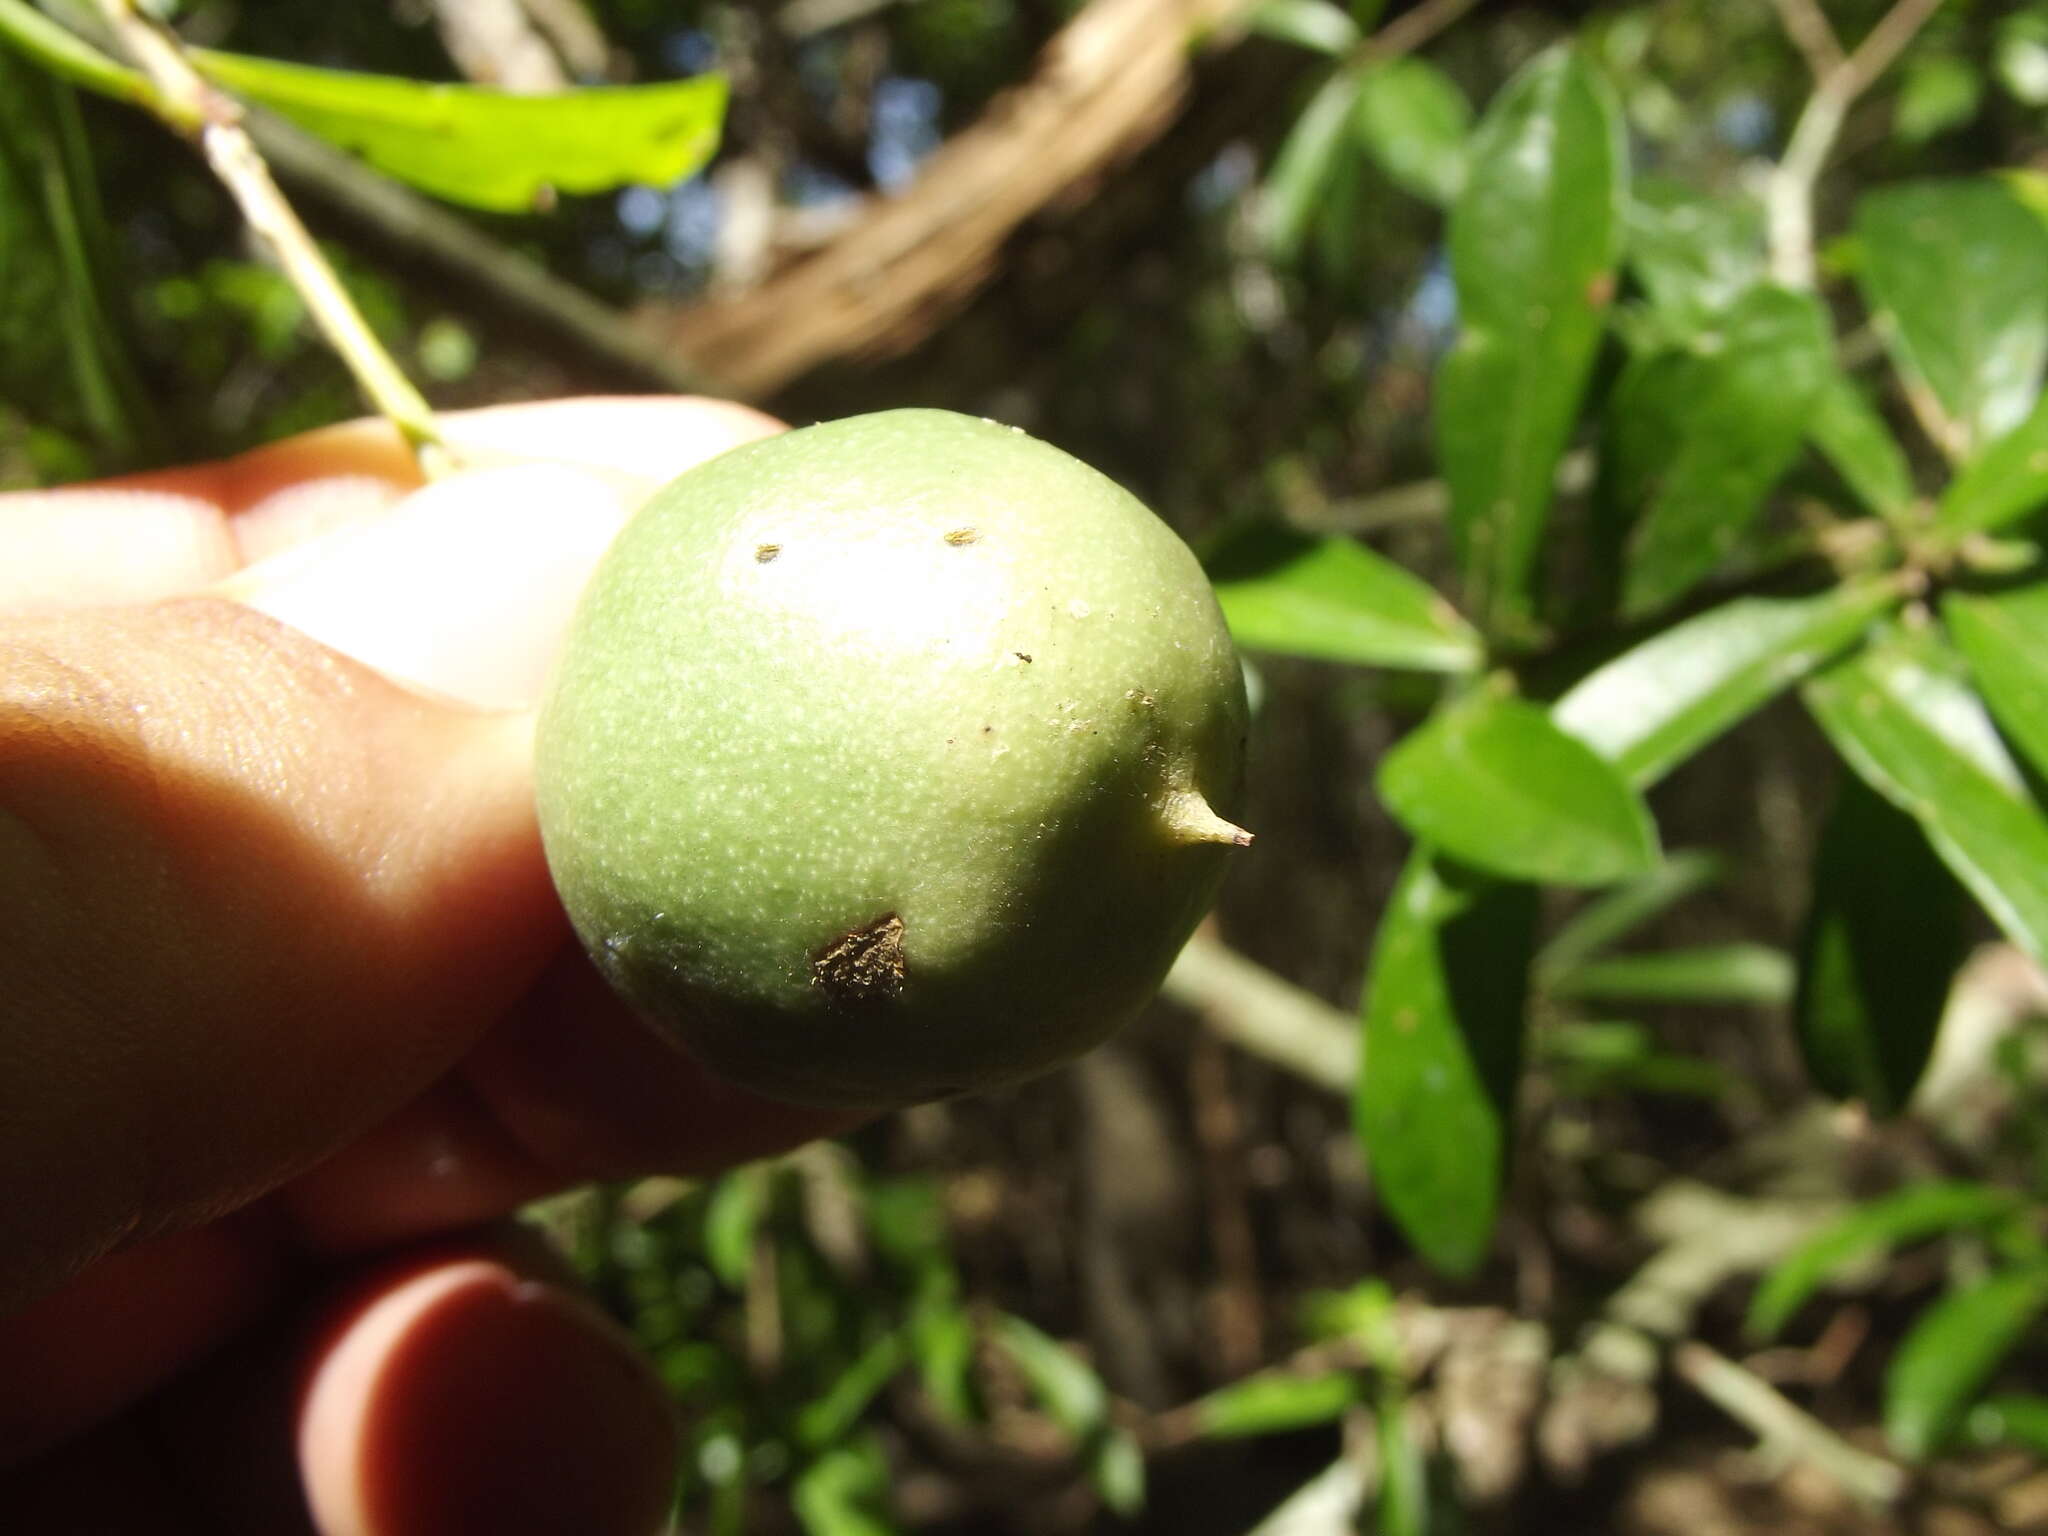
[(1785, 1428), (199, 112), (1411, 29), (1259, 1012), (1838, 81)]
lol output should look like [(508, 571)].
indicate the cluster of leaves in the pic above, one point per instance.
[(1642, 317), (780, 1302)]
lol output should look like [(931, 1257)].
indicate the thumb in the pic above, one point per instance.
[(254, 896)]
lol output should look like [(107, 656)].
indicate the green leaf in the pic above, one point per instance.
[(731, 1217), (1910, 1215), (1957, 274), (484, 148), (2014, 1419), (2002, 484), (1886, 931), (1615, 914), (1443, 1049), (1706, 973), (1414, 121), (1072, 1395), (831, 1415), (1335, 600), (2004, 637), (1693, 256), (69, 57), (1587, 1059), (1116, 1468), (1275, 1404), (1938, 94), (1652, 707), (1295, 186), (839, 1494), (1952, 1351), (1903, 718), (1534, 238), (1698, 440), (1853, 437), (1493, 782), (1315, 25)]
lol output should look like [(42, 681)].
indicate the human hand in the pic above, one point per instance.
[(290, 1019)]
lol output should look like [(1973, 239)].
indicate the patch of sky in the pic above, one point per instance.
[(903, 128)]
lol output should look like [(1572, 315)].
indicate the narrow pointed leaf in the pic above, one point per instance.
[(1853, 437), (1494, 783), (1706, 973), (1316, 25), (1414, 122), (1953, 1350), (1735, 408), (1615, 914), (485, 148), (1443, 1049), (1335, 600), (1653, 707), (2004, 637), (1957, 273), (2002, 484), (1910, 1215), (1273, 1404), (1882, 940), (2015, 1419), (1534, 239), (1903, 717), (1295, 187)]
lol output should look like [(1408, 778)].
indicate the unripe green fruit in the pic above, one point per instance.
[(880, 761)]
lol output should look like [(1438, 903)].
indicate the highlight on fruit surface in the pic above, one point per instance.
[(891, 758)]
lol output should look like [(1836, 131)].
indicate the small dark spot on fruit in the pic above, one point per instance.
[(988, 730), (960, 536), (1023, 656), (863, 965), (763, 553)]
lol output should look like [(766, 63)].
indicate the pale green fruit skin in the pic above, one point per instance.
[(796, 699)]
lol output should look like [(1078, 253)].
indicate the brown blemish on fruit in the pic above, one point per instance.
[(960, 536), (864, 965), (763, 553), (1023, 656)]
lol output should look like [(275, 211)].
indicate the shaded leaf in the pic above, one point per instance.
[(1295, 186), (1952, 1350), (485, 148), (731, 1217), (1706, 973), (1957, 273), (1590, 1058), (2011, 1420), (1614, 914), (1887, 928), (2004, 637), (1492, 782), (1443, 1049), (1072, 1395), (1116, 1468), (1939, 93), (1904, 719), (841, 1493), (1534, 238), (1335, 600), (1696, 441), (832, 1414), (1413, 120), (1849, 432), (1652, 707), (1316, 25), (1273, 1404), (1910, 1215)]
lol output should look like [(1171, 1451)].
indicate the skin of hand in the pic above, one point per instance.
[(290, 1020)]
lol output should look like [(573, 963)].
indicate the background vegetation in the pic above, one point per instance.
[(1610, 1094)]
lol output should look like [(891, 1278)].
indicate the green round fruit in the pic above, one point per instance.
[(881, 759)]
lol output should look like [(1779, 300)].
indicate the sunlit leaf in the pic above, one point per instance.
[(1853, 437), (1336, 600), (1903, 717), (1957, 274), (1275, 1403), (1886, 930), (1654, 706), (1910, 1215), (2004, 483), (1693, 255), (1492, 782), (2011, 1420), (1952, 1351), (1316, 25), (486, 148), (2004, 637), (1295, 187), (1938, 94), (1534, 239), (842, 1493), (1443, 1048)]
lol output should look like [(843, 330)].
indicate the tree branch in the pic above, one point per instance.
[(1785, 1428), (1259, 1012)]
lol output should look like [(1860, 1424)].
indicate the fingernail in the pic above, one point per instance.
[(464, 590), (469, 1398)]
